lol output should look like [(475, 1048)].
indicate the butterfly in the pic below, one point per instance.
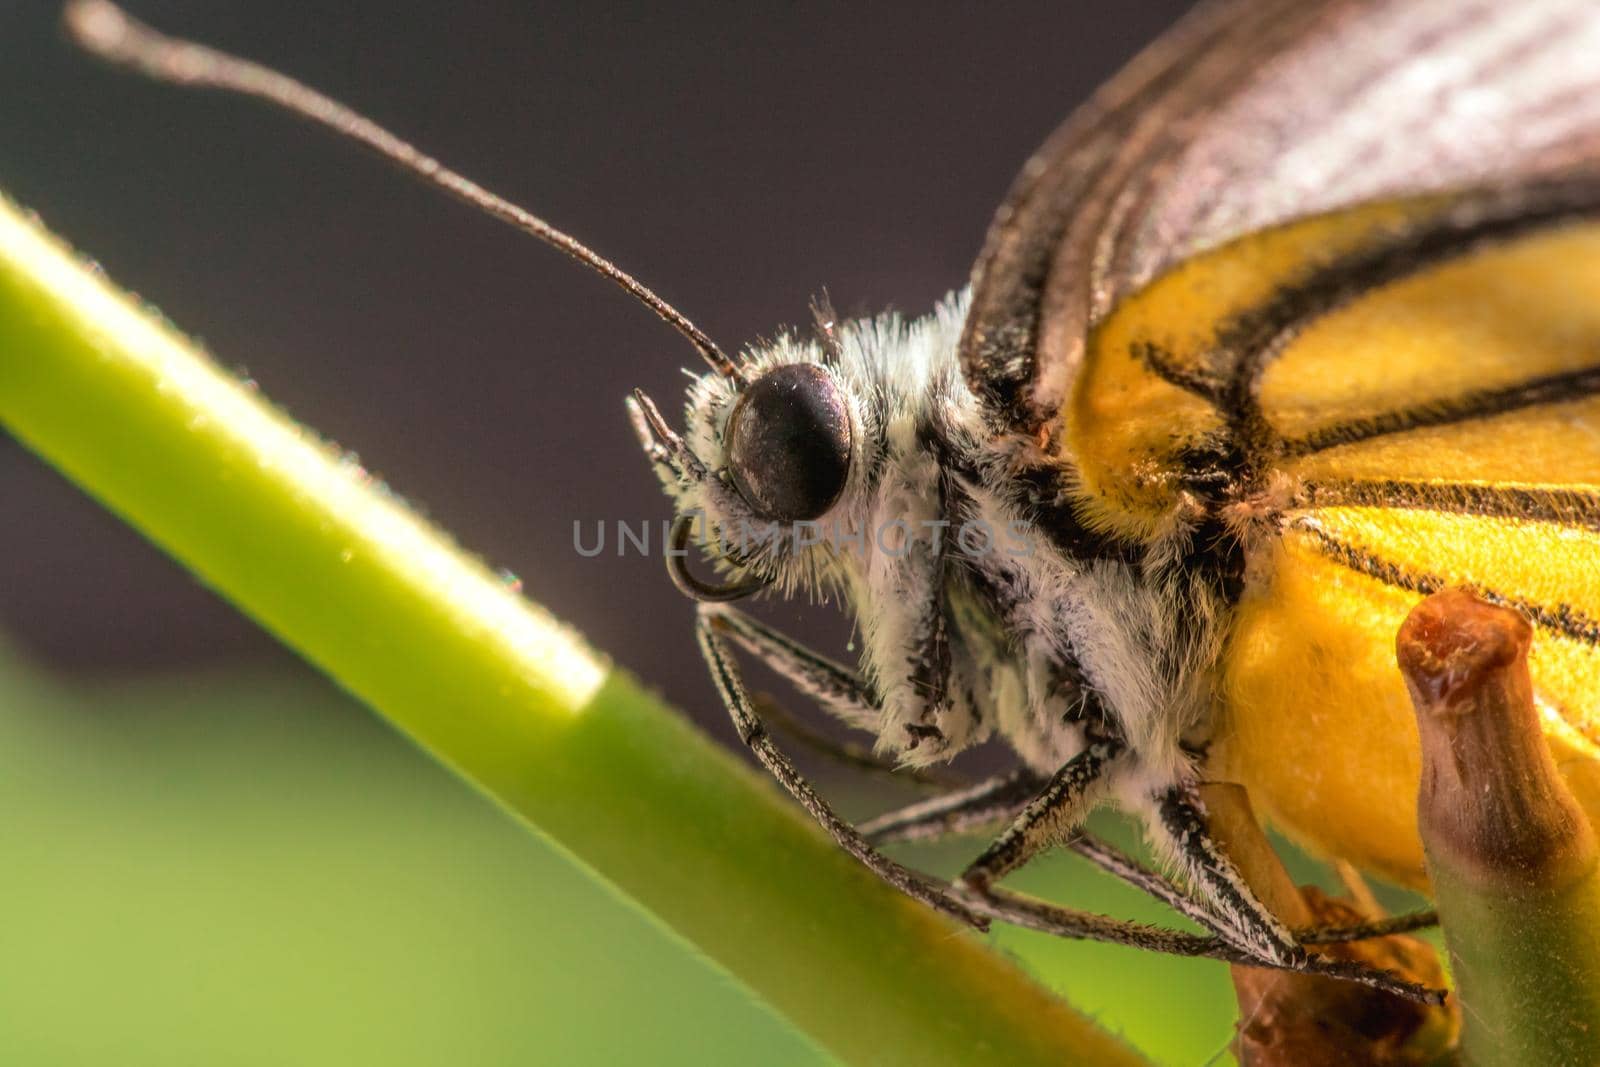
[(1293, 323)]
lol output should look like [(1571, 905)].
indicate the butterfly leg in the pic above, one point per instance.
[(836, 689), (833, 687), (1049, 818), (1054, 810), (1053, 818), (1180, 823), (713, 625), (849, 754), (998, 799), (989, 801)]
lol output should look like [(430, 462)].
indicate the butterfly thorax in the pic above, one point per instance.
[(987, 604)]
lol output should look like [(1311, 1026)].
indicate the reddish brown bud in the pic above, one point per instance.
[(1490, 795)]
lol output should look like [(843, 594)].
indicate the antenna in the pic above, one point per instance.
[(105, 30)]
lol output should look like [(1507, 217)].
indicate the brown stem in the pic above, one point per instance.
[(1512, 857), (1491, 802)]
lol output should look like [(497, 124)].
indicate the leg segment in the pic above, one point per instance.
[(1000, 798), (989, 801), (855, 756), (1116, 862), (1181, 821), (1049, 818), (710, 627), (1064, 922), (838, 691)]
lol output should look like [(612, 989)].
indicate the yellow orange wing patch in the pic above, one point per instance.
[(1431, 424)]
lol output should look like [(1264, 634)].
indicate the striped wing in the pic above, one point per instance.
[(1443, 431), (1397, 399), (1250, 113)]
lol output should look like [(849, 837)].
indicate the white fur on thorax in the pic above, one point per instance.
[(1125, 634), (1147, 649)]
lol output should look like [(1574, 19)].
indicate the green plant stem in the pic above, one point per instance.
[(307, 544)]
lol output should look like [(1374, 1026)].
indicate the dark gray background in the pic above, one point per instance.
[(736, 157)]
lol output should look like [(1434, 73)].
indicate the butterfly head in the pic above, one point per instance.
[(763, 470)]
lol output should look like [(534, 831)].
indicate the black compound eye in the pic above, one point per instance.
[(788, 443)]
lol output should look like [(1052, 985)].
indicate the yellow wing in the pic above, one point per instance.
[(1388, 401)]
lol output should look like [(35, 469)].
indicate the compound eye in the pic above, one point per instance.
[(788, 443)]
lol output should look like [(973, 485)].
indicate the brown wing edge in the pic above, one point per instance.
[(1070, 184)]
